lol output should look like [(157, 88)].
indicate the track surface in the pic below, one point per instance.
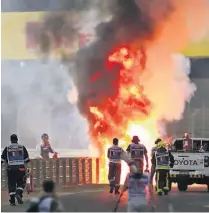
[(97, 199)]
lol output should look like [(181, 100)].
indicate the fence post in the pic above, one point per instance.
[(70, 171), (90, 170), (83, 162), (97, 170), (32, 175), (57, 164), (4, 176), (51, 169), (64, 171), (77, 171), (44, 169), (38, 168)]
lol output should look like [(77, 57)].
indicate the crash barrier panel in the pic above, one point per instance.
[(64, 171)]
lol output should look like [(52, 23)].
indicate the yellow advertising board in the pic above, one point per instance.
[(18, 42), (198, 49), (14, 39)]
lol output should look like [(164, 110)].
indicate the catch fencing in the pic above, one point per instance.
[(64, 171)]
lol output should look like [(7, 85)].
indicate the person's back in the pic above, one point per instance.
[(162, 156), (114, 153), (43, 204), (48, 202), (139, 192), (114, 156), (153, 150), (137, 151), (16, 157)]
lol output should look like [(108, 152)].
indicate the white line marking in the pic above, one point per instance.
[(91, 191), (170, 207), (82, 192), (65, 193)]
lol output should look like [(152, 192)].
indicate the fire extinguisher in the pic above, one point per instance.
[(55, 156), (29, 182)]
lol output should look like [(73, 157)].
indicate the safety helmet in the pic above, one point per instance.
[(135, 139), (45, 136), (161, 144), (157, 141)]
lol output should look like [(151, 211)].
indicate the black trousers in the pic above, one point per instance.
[(152, 173), (16, 182), (114, 175)]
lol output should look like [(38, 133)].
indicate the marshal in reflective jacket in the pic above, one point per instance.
[(114, 154), (15, 155), (137, 151), (162, 159)]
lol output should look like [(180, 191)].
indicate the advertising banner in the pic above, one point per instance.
[(18, 42), (19, 39)]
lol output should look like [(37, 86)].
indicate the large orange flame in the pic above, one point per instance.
[(133, 111)]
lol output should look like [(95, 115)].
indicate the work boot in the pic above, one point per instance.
[(12, 200), (12, 203), (165, 192), (159, 193), (19, 196), (19, 199), (117, 192), (111, 190)]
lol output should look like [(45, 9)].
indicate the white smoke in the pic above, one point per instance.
[(166, 82), (35, 95)]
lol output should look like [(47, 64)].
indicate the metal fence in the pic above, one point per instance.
[(64, 171)]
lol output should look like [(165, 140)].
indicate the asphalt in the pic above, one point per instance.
[(97, 199)]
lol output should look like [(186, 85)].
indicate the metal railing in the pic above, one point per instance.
[(64, 171)]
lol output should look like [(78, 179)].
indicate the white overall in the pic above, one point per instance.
[(138, 194)]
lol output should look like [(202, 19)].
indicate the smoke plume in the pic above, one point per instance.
[(129, 72), (34, 101)]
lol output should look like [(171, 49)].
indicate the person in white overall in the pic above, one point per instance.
[(140, 191)]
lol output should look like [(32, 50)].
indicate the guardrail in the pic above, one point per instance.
[(64, 171)]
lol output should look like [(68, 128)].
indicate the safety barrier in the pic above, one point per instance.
[(64, 171)]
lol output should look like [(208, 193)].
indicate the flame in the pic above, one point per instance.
[(126, 114), (96, 112)]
